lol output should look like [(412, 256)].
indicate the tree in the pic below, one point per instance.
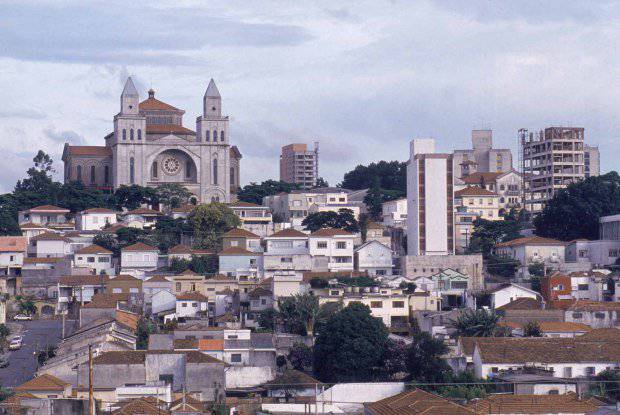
[(77, 197), (43, 162), (132, 197), (144, 329), (129, 236), (392, 177), (300, 357), (168, 232), (267, 318), (350, 346), (343, 219), (204, 264), (321, 182), (476, 323), (424, 358), (395, 359), (300, 312), (210, 222), (374, 199), (45, 354), (532, 329), (502, 265), (536, 269), (574, 212), (408, 287), (609, 384), (8, 216), (488, 233), (37, 188), (172, 195), (107, 241), (178, 265), (254, 193)]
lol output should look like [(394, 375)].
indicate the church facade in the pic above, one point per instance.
[(150, 147)]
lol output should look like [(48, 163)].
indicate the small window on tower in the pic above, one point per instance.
[(131, 134), (213, 108), (222, 135), (124, 134), (214, 135), (207, 135), (139, 134)]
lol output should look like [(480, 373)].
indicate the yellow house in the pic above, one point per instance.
[(188, 281), (481, 202)]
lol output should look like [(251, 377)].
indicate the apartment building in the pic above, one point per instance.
[(482, 157), (335, 246), (591, 161), (507, 185), (430, 200), (551, 159), (394, 213), (299, 165), (484, 203)]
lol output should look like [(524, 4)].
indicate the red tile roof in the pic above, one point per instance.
[(240, 233), (153, 104), (241, 203), (98, 210), (288, 233), (235, 250), (93, 249), (329, 232), (143, 211), (533, 404), (43, 383), (78, 280), (13, 244), (168, 129), (140, 246), (98, 151), (49, 236), (530, 240), (48, 208), (191, 296), (416, 402), (474, 191)]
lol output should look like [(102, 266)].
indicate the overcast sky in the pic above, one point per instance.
[(360, 77)]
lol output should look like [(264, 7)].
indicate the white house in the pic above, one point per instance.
[(254, 218), (567, 358), (94, 219), (94, 257), (154, 285), (162, 301), (138, 258), (287, 250), (599, 253), (236, 261), (44, 215), (141, 218), (336, 245), (12, 253), (49, 245), (532, 250), (374, 258), (394, 213), (507, 293), (191, 305)]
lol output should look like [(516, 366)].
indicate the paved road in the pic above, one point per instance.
[(22, 363)]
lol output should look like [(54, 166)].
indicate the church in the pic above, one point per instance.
[(150, 147)]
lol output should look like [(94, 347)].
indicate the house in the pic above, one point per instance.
[(155, 284), (79, 290), (506, 293), (394, 213), (254, 218), (97, 259), (482, 202), (292, 383), (45, 386), (595, 254), (234, 261), (141, 218), (451, 285), (138, 258), (287, 250), (185, 252), (378, 232), (565, 357), (507, 185), (48, 245), (596, 314), (415, 402), (44, 215), (163, 302), (12, 254), (555, 329), (182, 212), (567, 403), (125, 284), (333, 246), (374, 258), (191, 305), (103, 306), (261, 299), (242, 238), (95, 219), (532, 250), (556, 286), (186, 281), (463, 228)]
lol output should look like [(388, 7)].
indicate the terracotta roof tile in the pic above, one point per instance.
[(235, 250), (288, 233), (98, 210), (191, 296), (93, 249), (606, 334), (44, 382), (153, 104), (260, 292), (107, 300), (329, 232), (530, 240), (522, 303), (532, 404), (137, 357), (143, 211), (474, 191), (140, 246), (79, 280), (241, 203), (49, 236), (141, 406), (51, 260), (240, 233), (13, 244), (98, 151), (211, 344), (158, 278), (168, 129), (416, 402)]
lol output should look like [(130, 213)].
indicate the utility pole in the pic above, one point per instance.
[(63, 325), (91, 396)]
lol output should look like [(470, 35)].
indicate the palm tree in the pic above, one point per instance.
[(476, 323)]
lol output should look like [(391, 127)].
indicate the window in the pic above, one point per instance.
[(232, 175), (613, 252), (90, 259), (178, 286), (263, 301), (568, 372), (193, 286), (168, 379), (235, 358), (334, 292), (183, 305), (287, 260), (103, 259), (599, 315), (12, 258), (106, 174), (577, 315), (583, 287), (139, 134), (398, 304), (321, 245), (376, 304), (132, 177), (124, 134), (188, 168), (590, 371), (154, 170), (92, 174), (214, 170), (341, 245), (79, 173), (222, 135), (131, 134), (195, 305), (214, 136)]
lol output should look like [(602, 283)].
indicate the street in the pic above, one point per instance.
[(22, 363)]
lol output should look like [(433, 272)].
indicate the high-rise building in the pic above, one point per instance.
[(550, 160), (430, 200), (482, 157), (300, 165), (591, 160)]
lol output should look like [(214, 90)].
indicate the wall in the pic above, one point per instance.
[(248, 376), (471, 265)]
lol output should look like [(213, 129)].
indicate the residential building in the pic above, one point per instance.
[(596, 314), (414, 266), (49, 245), (593, 254), (482, 202), (415, 402), (236, 261), (591, 161), (335, 246), (374, 258), (46, 386), (95, 258), (125, 284), (185, 252), (94, 219), (103, 306), (286, 250), (138, 258), (44, 215), (201, 160), (378, 232), (509, 292), (394, 213), (242, 238), (77, 290), (507, 185), (141, 218), (449, 285), (430, 200), (299, 165), (558, 399), (556, 286), (254, 218), (186, 281), (532, 250), (463, 228), (191, 305), (12, 254), (154, 285), (551, 160), (482, 157)]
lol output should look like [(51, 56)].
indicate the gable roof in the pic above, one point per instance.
[(416, 402), (97, 210), (143, 211), (44, 382), (530, 240), (240, 233), (48, 208), (475, 178), (235, 250), (49, 236), (158, 278), (191, 296), (474, 191), (97, 151), (13, 244), (532, 404), (107, 300), (292, 377), (78, 280), (328, 232), (93, 249), (139, 246), (153, 104), (240, 203), (584, 305), (288, 233), (124, 277), (137, 357), (606, 334), (522, 303), (141, 406)]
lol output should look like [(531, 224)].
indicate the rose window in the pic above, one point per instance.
[(171, 165)]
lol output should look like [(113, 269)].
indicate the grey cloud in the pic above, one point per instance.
[(27, 113), (62, 137)]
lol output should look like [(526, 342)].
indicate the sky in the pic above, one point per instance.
[(362, 78)]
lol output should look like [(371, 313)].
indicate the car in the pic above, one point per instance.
[(15, 344), (17, 338), (22, 317)]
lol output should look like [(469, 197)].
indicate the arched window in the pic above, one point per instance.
[(214, 135), (188, 168), (207, 135), (222, 135), (214, 171), (132, 176), (232, 175), (139, 134), (131, 134), (92, 174), (106, 174), (124, 134), (154, 170), (79, 173)]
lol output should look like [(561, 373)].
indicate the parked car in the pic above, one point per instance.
[(22, 317), (16, 343)]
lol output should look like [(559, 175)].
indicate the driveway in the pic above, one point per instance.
[(37, 335)]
